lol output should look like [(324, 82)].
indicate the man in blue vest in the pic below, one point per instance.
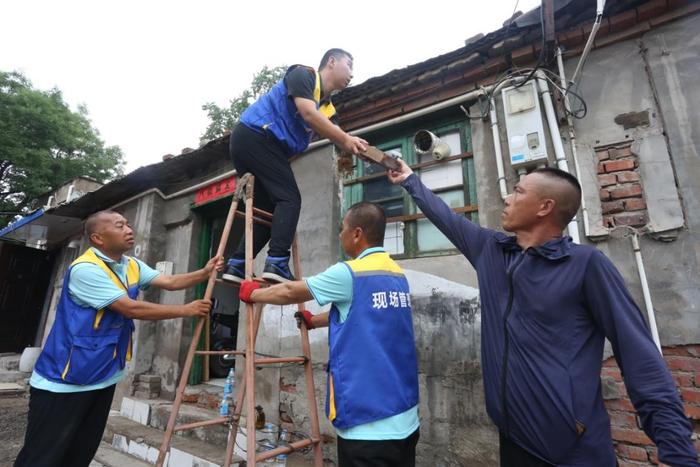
[(547, 306), (276, 127), (372, 394), (90, 342)]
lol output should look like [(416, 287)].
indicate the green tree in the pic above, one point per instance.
[(43, 143), (223, 119)]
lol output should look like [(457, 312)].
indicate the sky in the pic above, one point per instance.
[(145, 68)]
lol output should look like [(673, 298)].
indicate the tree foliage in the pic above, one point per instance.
[(223, 119), (43, 143)]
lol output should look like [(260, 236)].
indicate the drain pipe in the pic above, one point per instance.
[(600, 6), (497, 148), (572, 140), (556, 141), (645, 290)]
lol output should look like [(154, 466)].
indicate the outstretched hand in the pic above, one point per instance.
[(398, 176)]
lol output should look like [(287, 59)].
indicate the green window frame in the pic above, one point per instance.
[(409, 233)]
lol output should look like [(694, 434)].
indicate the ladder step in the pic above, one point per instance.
[(213, 421), (241, 214), (291, 447), (219, 352), (270, 361), (255, 279)]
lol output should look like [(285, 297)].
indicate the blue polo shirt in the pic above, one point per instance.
[(90, 286), (334, 285)]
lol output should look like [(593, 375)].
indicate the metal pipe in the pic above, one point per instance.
[(589, 43), (645, 291), (497, 149), (556, 141), (572, 140)]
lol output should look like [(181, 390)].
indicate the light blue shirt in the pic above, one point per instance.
[(89, 285), (334, 285)]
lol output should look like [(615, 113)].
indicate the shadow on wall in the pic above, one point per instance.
[(455, 429)]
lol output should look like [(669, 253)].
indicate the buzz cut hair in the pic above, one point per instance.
[(335, 53), (93, 221), (370, 217), (569, 201)]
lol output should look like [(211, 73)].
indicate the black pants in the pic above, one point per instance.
[(389, 453), (513, 455), (275, 189), (64, 429)]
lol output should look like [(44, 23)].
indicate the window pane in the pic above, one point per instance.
[(393, 207), (429, 237), (393, 238), (372, 168), (446, 174), (380, 189)]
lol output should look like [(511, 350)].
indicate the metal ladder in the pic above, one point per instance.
[(253, 316)]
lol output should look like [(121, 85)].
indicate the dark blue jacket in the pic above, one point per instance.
[(545, 314)]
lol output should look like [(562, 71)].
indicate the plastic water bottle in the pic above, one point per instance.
[(223, 407), (228, 384), (281, 459)]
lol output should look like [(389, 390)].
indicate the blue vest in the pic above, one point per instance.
[(277, 114), (86, 345), (373, 369)]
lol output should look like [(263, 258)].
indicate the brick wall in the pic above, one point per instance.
[(621, 194), (633, 447)]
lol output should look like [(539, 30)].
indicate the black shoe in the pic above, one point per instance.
[(277, 269), (235, 271)]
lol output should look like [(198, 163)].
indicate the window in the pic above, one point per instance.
[(408, 233)]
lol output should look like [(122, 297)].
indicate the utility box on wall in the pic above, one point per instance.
[(526, 143)]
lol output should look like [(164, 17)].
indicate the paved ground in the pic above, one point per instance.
[(13, 422)]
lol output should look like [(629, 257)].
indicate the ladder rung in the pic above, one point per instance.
[(213, 421), (291, 447), (219, 352), (269, 361), (241, 214), (256, 279)]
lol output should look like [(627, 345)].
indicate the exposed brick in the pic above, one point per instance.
[(190, 398), (571, 36), (619, 404), (697, 380), (618, 165), (682, 350), (619, 153), (612, 372), (601, 169), (623, 419), (608, 222), (691, 395), (635, 204), (607, 179), (610, 363), (626, 191), (612, 207), (626, 177), (683, 363), (634, 453), (631, 218), (623, 463), (692, 411), (683, 380), (651, 9), (637, 437), (653, 456), (623, 20), (604, 194), (602, 155)]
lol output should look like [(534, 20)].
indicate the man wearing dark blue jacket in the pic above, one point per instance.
[(547, 306)]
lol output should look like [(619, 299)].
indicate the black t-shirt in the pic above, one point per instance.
[(301, 82)]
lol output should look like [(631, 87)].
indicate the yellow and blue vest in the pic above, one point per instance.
[(87, 345), (276, 113), (373, 368)]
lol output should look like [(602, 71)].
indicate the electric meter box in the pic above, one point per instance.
[(524, 128)]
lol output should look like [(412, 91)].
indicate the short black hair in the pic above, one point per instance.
[(568, 203), (370, 218), (93, 220), (337, 53)]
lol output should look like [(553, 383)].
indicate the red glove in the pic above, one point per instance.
[(306, 316), (247, 289)]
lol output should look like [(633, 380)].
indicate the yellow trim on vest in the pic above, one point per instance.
[(331, 399), (132, 276), (327, 109), (65, 370), (380, 261)]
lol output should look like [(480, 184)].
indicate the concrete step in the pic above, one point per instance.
[(107, 456), (143, 442), (13, 389), (14, 376), (9, 361)]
